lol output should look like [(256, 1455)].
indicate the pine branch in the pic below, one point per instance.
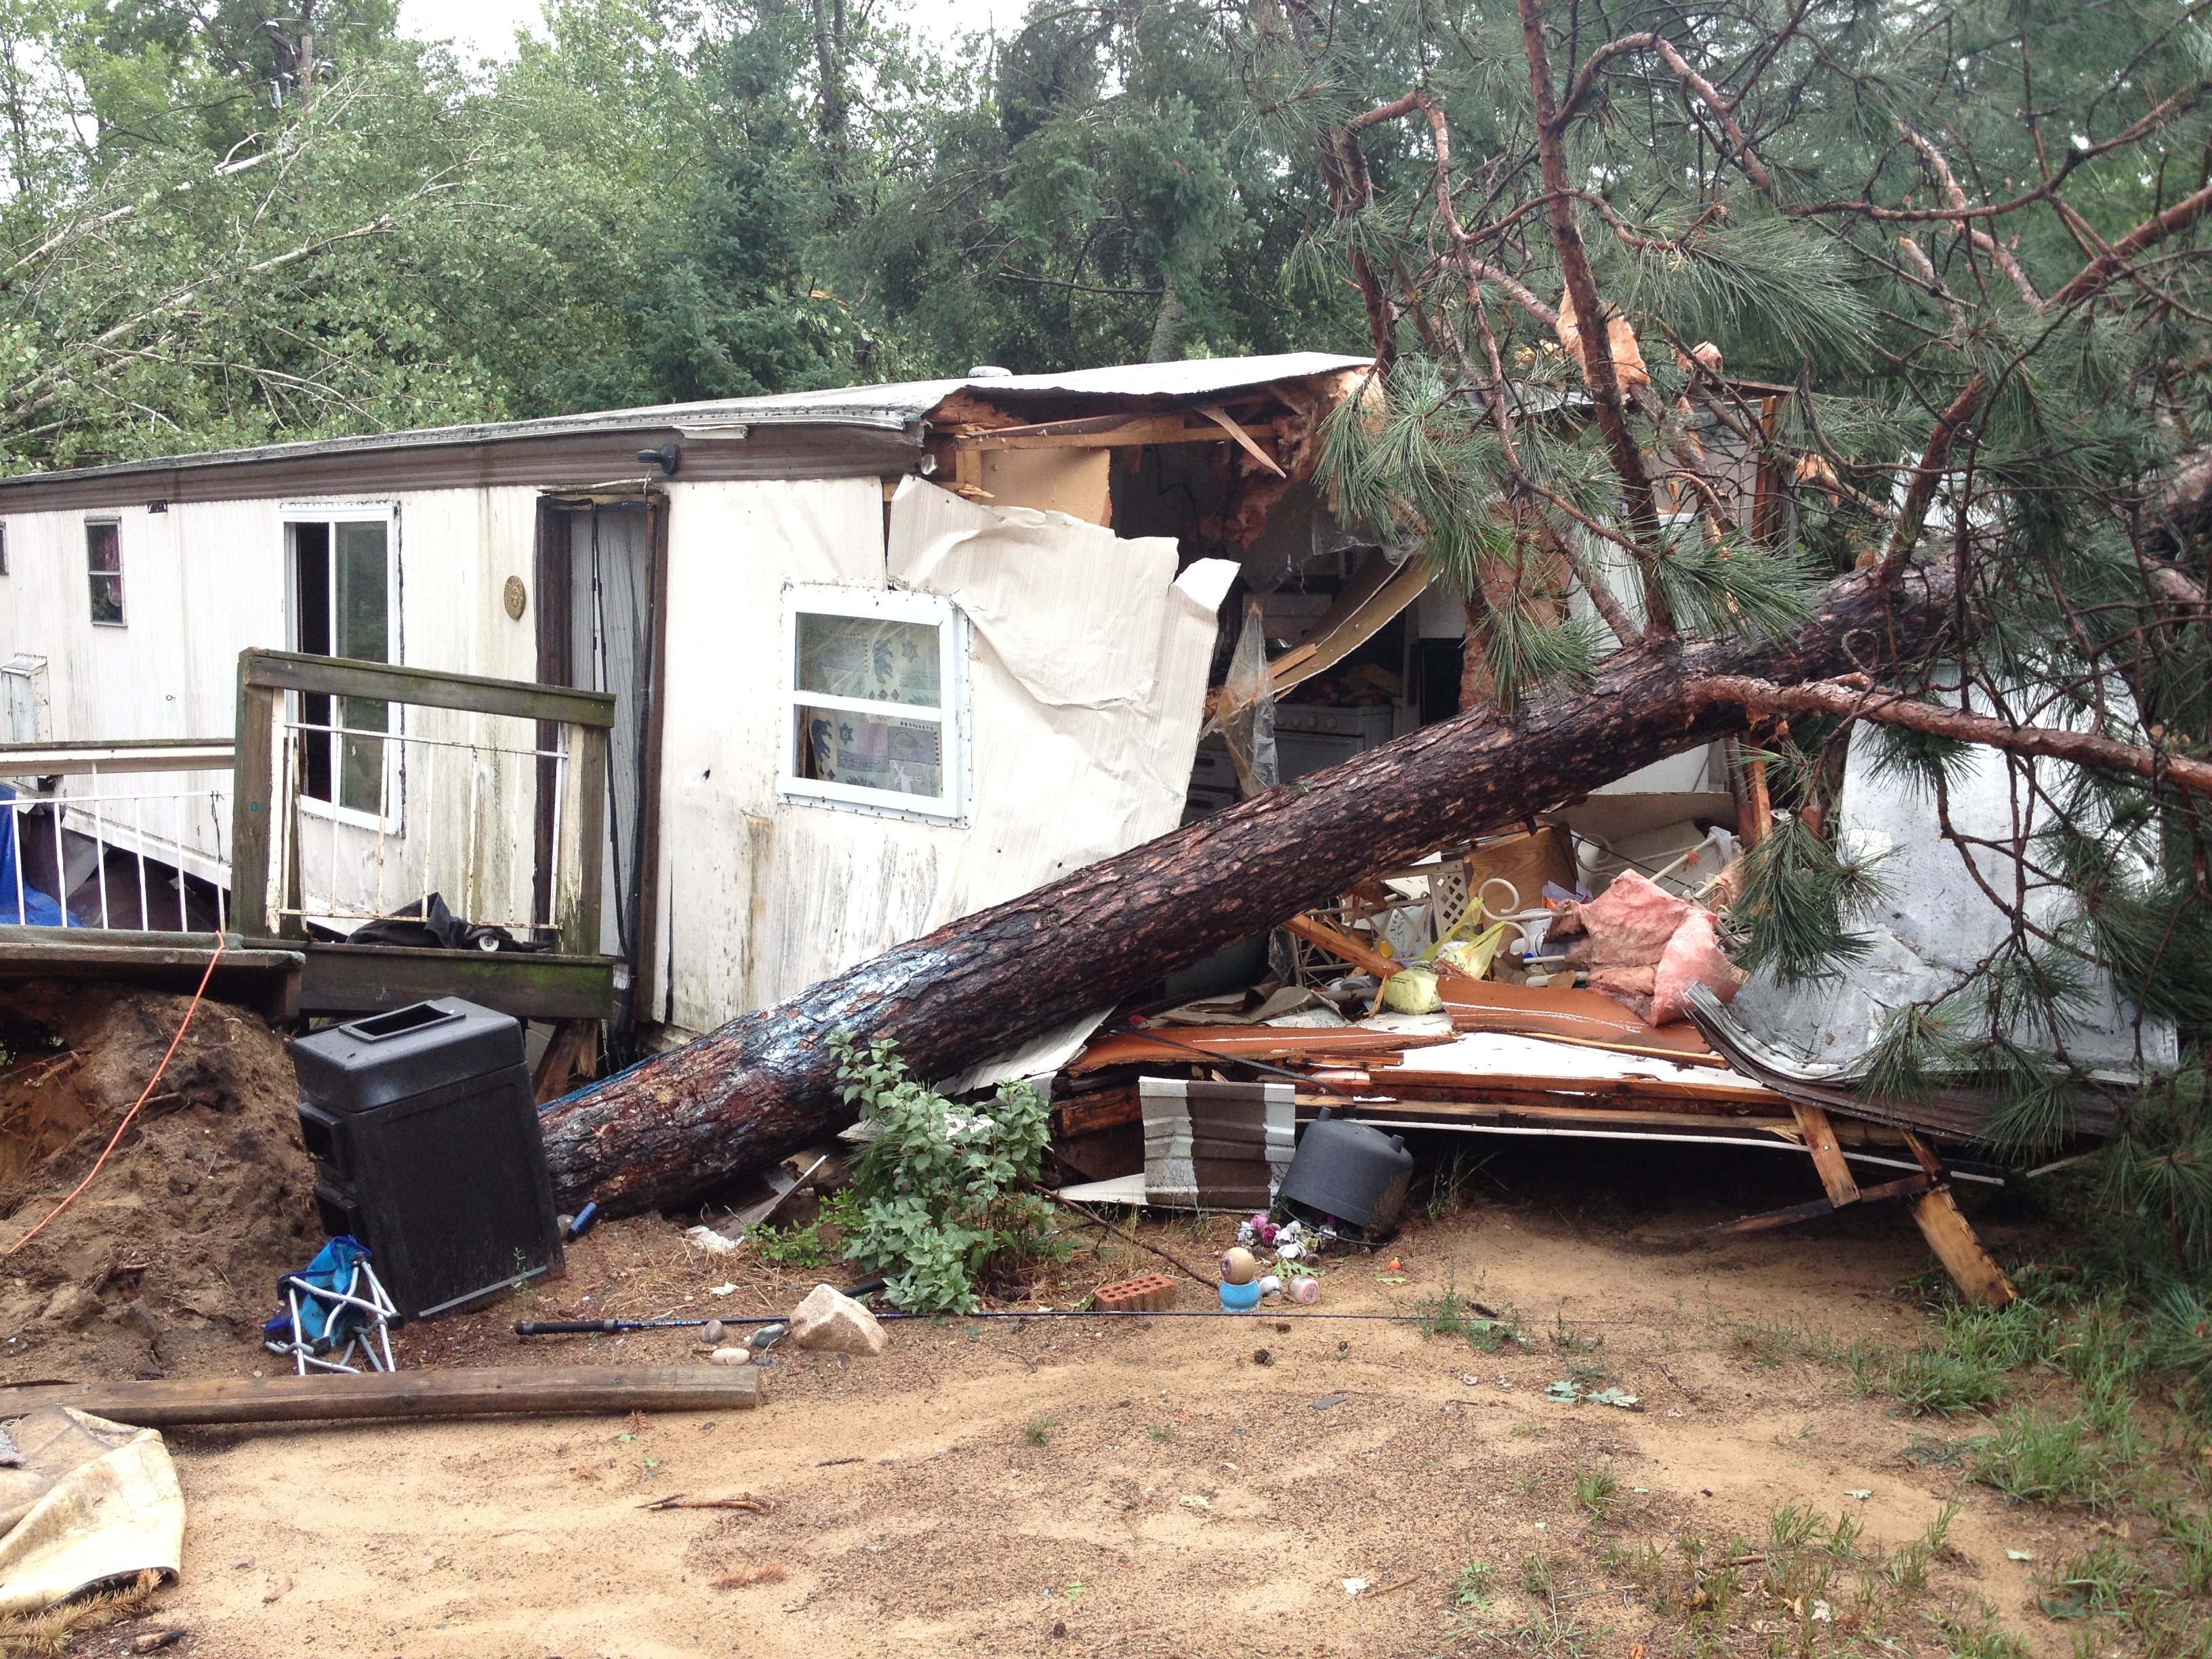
[(1855, 698)]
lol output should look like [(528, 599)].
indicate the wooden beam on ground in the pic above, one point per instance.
[(1978, 1278), (1766, 1220), (1827, 1155), (511, 1391)]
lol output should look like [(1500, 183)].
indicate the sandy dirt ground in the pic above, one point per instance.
[(1073, 1487)]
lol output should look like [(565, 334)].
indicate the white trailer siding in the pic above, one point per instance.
[(1086, 673), (202, 581)]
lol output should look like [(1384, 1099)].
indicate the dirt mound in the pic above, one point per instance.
[(168, 1261)]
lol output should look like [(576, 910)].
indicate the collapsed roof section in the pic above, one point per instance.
[(842, 431)]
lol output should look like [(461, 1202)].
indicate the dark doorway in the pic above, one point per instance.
[(599, 594)]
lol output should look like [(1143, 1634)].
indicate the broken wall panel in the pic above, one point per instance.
[(1077, 736)]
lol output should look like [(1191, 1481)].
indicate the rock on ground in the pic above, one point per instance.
[(834, 1323)]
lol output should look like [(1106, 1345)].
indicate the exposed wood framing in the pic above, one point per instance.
[(1827, 1155), (574, 1046), (1245, 440)]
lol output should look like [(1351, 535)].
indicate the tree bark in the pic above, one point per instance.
[(670, 1131)]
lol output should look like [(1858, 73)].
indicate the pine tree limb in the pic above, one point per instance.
[(1856, 698), (1582, 287)]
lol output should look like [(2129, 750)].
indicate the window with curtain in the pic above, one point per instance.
[(103, 563), (875, 702)]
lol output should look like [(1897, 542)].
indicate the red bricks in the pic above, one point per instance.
[(1149, 1292)]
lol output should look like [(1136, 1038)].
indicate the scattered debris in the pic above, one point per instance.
[(1350, 1174), (1568, 1392)]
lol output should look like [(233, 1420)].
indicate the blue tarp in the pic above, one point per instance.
[(36, 910)]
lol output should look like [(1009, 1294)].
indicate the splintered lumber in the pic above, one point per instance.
[(1341, 945), (690, 1120), (335, 1395), (1571, 1015), (1197, 1044), (1827, 1153), (1978, 1278)]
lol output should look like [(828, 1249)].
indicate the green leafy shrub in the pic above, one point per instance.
[(936, 1191)]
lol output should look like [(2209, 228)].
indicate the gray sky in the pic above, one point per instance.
[(486, 27)]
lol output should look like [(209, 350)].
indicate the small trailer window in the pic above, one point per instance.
[(103, 563), (342, 587), (877, 702)]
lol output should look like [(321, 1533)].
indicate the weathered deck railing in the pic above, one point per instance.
[(124, 834), (452, 806)]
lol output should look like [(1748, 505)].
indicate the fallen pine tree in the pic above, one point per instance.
[(673, 1129), (2036, 390)]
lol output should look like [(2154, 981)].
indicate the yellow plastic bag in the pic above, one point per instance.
[(1470, 957), (1411, 990)]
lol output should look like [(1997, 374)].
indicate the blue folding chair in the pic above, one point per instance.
[(335, 1312)]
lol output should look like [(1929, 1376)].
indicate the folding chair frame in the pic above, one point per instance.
[(373, 1339)]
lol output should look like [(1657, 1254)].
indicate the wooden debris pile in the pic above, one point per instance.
[(1528, 1051)]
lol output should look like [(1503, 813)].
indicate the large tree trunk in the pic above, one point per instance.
[(671, 1130)]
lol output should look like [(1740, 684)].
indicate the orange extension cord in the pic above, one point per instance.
[(146, 1095)]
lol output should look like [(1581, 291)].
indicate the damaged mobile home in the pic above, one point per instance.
[(650, 721), (879, 657)]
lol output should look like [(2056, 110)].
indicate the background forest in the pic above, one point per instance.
[(232, 221)]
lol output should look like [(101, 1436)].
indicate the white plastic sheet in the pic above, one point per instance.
[(95, 1503)]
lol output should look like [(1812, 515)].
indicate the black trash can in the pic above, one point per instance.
[(426, 1150)]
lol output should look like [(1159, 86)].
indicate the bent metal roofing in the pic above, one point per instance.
[(844, 431)]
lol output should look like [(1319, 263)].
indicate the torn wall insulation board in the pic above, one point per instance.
[(1934, 922), (1087, 680), (1035, 1059)]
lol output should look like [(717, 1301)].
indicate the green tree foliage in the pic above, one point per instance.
[(1100, 192)]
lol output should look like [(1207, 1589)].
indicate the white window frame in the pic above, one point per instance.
[(289, 513), (887, 605)]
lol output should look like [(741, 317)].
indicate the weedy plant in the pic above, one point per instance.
[(1473, 1587), (937, 1192), (1449, 1314), (1597, 1492)]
